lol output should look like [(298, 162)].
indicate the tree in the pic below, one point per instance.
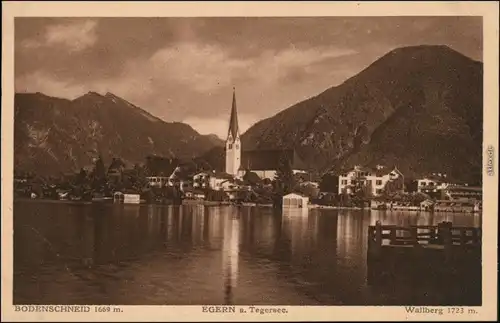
[(301, 177), (116, 165), (214, 195), (284, 179), (329, 183), (392, 188), (266, 181), (416, 197), (81, 178), (308, 190), (202, 165), (99, 182), (251, 178), (99, 171), (345, 198), (362, 193), (411, 185)]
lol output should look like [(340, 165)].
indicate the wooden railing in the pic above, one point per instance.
[(442, 234)]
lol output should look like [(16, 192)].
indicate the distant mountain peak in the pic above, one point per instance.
[(93, 93), (113, 96), (54, 135), (428, 52), (423, 47), (417, 107)]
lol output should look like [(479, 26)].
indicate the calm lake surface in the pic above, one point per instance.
[(186, 255)]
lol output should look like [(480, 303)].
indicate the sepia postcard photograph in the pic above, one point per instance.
[(249, 161)]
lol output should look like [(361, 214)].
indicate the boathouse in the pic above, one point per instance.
[(127, 198), (294, 200)]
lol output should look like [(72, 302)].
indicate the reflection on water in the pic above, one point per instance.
[(230, 251), (161, 255)]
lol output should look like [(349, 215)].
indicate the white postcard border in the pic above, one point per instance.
[(489, 12)]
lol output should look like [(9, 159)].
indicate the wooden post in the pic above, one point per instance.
[(378, 239), (447, 239), (414, 236), (475, 236), (432, 235), (463, 236), (393, 235), (440, 232)]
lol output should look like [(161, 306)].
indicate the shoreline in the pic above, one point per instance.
[(216, 203)]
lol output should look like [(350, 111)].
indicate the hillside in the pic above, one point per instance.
[(419, 108), (53, 135)]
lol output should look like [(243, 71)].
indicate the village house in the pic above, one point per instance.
[(201, 180), (157, 181), (375, 179), (220, 181), (432, 183), (186, 186), (161, 171)]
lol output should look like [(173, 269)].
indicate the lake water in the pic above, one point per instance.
[(169, 255)]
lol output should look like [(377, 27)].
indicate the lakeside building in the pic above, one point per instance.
[(126, 197), (375, 179), (157, 181), (264, 163), (294, 200), (162, 171), (213, 180), (432, 183), (201, 180), (221, 181), (462, 192)]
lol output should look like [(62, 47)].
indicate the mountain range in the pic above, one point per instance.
[(53, 135), (418, 108)]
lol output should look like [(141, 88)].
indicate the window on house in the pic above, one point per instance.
[(230, 146), (237, 146), (379, 182), (378, 191), (344, 182)]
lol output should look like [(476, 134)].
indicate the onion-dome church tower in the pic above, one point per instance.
[(233, 143)]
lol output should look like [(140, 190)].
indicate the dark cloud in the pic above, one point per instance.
[(184, 68)]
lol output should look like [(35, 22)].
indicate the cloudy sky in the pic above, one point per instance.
[(184, 69)]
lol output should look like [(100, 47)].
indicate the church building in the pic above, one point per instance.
[(233, 142), (262, 162)]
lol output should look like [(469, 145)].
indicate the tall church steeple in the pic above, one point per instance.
[(233, 144), (233, 120)]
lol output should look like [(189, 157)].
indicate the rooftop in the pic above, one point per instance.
[(270, 159)]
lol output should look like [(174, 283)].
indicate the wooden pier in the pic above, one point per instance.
[(440, 255)]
